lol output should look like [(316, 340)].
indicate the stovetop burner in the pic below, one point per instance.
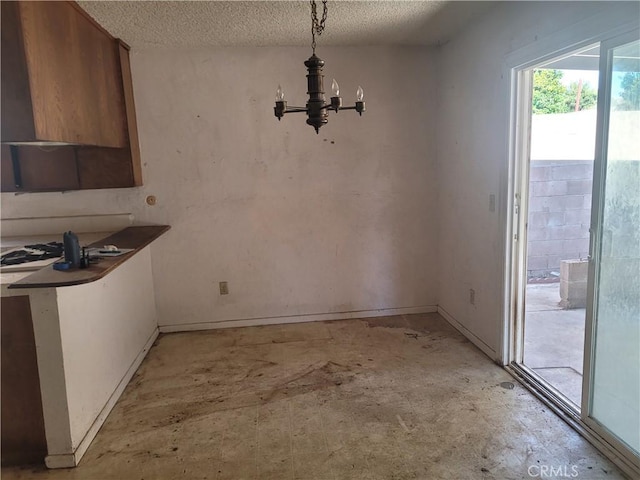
[(33, 253)]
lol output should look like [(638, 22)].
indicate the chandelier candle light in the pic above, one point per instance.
[(317, 109)]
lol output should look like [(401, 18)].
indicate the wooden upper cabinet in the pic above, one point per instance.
[(61, 77), (67, 82)]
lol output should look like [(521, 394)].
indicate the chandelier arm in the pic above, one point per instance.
[(358, 107), (326, 106), (295, 109)]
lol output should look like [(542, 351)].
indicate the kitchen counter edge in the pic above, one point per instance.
[(135, 237)]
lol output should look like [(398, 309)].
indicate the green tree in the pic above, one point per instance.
[(588, 96), (630, 92), (549, 94)]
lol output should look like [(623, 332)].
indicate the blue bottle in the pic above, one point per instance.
[(71, 249)]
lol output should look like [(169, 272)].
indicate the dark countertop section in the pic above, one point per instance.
[(131, 237)]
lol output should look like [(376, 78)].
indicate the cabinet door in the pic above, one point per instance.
[(47, 169), (30, 168), (104, 168), (73, 74), (23, 436)]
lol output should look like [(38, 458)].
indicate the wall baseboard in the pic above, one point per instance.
[(319, 317), (486, 349), (69, 460)]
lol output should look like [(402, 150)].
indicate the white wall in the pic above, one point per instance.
[(297, 223), (472, 151)]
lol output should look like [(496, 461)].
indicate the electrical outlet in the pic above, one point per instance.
[(492, 203), (224, 288), (472, 296)]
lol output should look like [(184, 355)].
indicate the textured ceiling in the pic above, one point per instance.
[(280, 23)]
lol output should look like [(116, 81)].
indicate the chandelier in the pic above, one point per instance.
[(317, 110)]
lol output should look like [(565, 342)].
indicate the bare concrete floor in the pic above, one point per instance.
[(403, 397)]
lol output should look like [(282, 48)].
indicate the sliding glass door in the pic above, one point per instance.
[(611, 388), (576, 322)]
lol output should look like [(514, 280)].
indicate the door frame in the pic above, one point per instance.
[(523, 91), (600, 29)]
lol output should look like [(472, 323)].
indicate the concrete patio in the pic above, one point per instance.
[(554, 340)]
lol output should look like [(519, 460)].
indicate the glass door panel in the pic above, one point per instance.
[(614, 401), (560, 166)]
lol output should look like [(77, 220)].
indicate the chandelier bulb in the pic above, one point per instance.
[(279, 94), (359, 94), (335, 88)]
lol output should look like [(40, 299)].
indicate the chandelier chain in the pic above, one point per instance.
[(317, 26)]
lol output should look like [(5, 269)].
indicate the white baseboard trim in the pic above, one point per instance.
[(487, 350), (316, 317), (69, 460)]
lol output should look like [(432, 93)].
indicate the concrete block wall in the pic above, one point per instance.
[(559, 215)]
